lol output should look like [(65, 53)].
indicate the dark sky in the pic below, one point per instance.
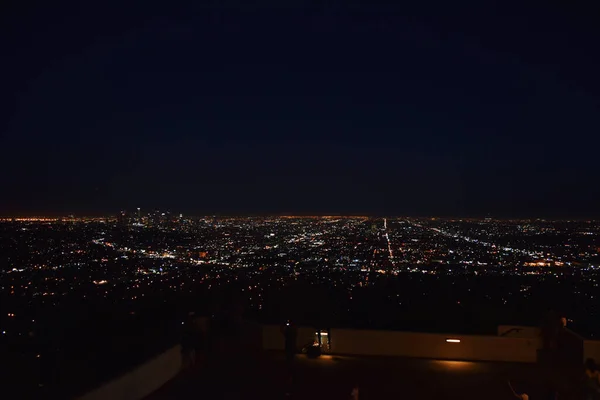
[(441, 108)]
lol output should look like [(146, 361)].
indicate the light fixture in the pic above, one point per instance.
[(452, 340)]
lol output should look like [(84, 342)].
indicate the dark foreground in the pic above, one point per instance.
[(268, 376)]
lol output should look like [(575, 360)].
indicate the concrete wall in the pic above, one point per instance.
[(528, 332), (143, 380), (591, 349), (421, 345)]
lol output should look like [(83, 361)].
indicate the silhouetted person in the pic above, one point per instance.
[(354, 393), (591, 380), (290, 333), (550, 331), (188, 342)]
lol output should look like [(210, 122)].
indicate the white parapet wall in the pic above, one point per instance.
[(419, 345), (141, 381), (437, 346), (529, 332)]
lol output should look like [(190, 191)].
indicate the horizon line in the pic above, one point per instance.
[(54, 216)]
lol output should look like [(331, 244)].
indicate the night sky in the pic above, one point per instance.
[(442, 109)]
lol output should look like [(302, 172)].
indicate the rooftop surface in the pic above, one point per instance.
[(267, 375)]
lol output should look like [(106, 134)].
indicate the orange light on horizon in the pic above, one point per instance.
[(454, 365), (452, 340)]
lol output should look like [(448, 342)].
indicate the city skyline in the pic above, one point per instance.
[(56, 216)]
